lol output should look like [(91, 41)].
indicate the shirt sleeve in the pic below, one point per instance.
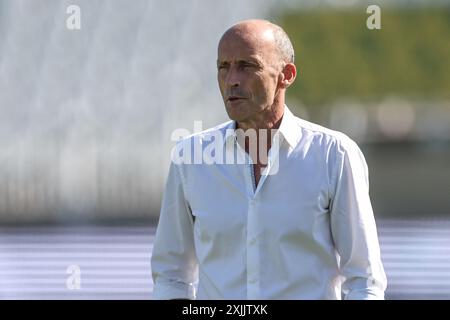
[(353, 227), (173, 262)]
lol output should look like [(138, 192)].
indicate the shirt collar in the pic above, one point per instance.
[(288, 129), (230, 131)]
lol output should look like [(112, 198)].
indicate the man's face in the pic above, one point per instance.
[(248, 75)]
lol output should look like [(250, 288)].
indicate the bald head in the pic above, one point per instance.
[(263, 31), (255, 67)]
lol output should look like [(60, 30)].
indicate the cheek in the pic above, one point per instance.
[(272, 86), (266, 89), (221, 84)]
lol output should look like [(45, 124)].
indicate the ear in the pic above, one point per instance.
[(288, 75)]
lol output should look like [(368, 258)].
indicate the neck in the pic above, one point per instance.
[(270, 118)]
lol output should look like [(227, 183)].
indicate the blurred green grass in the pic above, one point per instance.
[(339, 57)]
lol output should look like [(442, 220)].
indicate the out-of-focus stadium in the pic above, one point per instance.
[(87, 118)]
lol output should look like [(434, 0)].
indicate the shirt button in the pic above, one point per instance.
[(253, 281), (252, 241)]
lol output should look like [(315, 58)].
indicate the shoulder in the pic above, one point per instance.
[(340, 152), (204, 136), (187, 148), (208, 134), (326, 137)]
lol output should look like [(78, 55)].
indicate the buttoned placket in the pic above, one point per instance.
[(253, 246)]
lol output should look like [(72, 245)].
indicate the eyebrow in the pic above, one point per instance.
[(221, 62), (252, 61), (249, 60)]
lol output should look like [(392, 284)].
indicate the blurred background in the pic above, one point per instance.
[(87, 117)]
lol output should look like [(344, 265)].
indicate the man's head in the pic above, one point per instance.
[(255, 66)]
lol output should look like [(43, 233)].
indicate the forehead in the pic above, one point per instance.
[(234, 46)]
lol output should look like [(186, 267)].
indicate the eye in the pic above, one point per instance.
[(222, 67), (247, 66)]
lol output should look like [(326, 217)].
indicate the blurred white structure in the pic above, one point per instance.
[(86, 115)]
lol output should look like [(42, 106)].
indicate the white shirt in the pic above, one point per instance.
[(306, 232)]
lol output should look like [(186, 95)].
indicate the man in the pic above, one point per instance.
[(295, 223)]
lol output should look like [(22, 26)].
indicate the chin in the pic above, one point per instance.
[(235, 115)]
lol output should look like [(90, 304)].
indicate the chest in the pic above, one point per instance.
[(294, 191)]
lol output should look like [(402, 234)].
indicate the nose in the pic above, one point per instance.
[(232, 78)]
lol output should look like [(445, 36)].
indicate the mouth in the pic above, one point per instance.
[(234, 99)]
